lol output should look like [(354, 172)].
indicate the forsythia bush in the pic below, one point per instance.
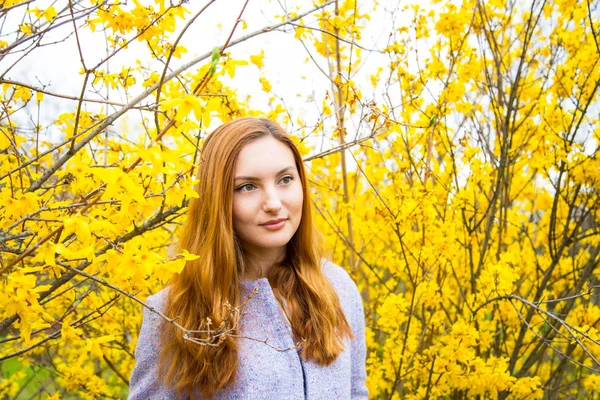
[(459, 184)]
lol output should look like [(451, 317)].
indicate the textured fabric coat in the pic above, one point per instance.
[(263, 372)]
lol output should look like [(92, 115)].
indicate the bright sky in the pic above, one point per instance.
[(287, 65)]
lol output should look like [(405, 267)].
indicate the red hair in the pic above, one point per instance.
[(212, 280)]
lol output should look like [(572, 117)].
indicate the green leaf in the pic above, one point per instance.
[(216, 55), (214, 60)]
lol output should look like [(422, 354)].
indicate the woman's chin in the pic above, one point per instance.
[(272, 242)]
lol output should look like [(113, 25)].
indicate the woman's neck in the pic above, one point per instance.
[(258, 265)]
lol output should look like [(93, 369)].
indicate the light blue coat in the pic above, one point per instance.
[(263, 372)]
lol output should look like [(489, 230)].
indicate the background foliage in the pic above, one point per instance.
[(455, 170)]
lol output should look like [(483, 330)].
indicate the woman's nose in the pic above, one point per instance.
[(271, 203)]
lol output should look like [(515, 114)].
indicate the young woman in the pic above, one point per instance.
[(302, 335)]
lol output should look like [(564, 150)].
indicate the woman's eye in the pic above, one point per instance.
[(248, 185), (287, 179)]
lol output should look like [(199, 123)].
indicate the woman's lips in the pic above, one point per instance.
[(276, 226)]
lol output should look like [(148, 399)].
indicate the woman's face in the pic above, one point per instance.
[(267, 197)]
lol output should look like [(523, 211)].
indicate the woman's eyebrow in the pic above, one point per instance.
[(252, 178)]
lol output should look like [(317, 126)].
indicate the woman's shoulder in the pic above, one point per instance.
[(347, 291), (158, 300), (339, 277)]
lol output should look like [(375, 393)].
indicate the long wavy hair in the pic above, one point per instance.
[(208, 283)]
